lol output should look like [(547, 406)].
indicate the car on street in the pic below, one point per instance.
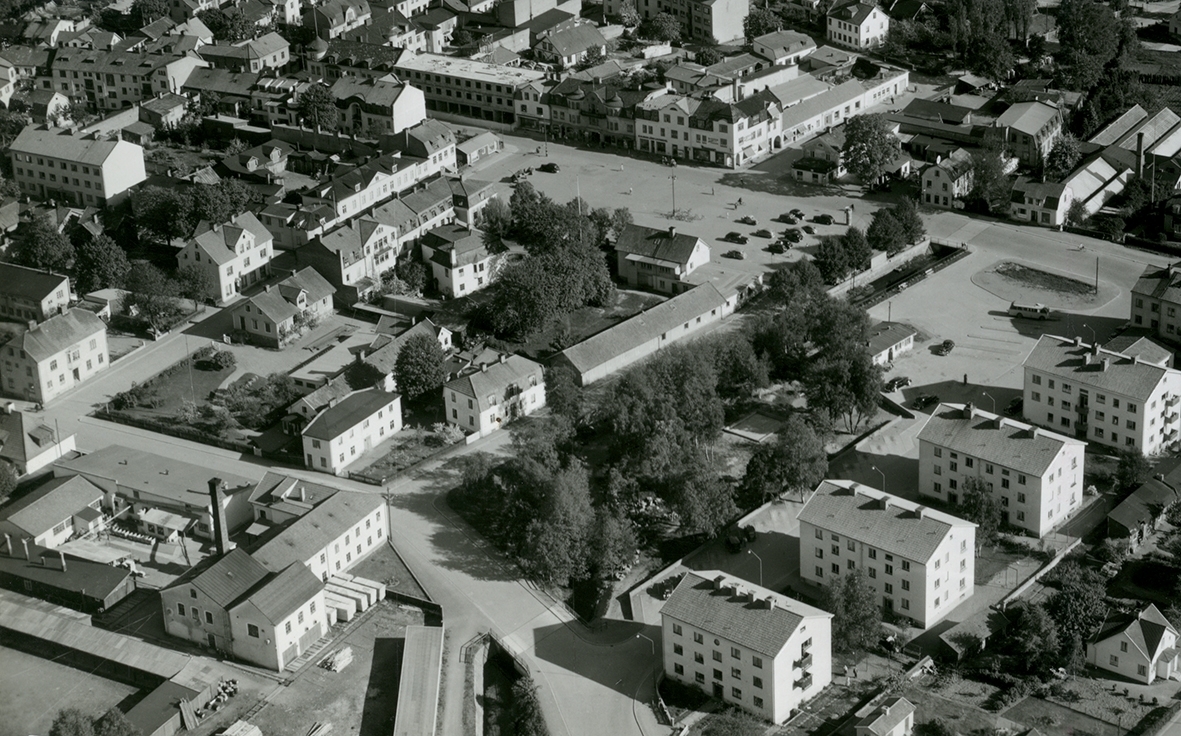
[(1015, 407), (788, 218), (925, 400), (735, 254), (748, 220), (778, 247), (763, 233), (792, 235), (896, 383), (823, 219), (735, 238), (945, 347), (549, 168), (809, 229)]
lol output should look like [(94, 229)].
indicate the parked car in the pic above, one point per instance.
[(896, 383), (550, 168), (925, 400), (735, 238), (763, 233), (809, 229), (1015, 407), (823, 219), (735, 254), (788, 218), (748, 220), (798, 213), (945, 347), (792, 235), (778, 247)]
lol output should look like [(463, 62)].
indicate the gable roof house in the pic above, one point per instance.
[(52, 513), (1139, 646), (235, 254), (341, 434), (53, 357), (32, 294), (857, 25), (1030, 129), (27, 444), (1143, 511), (659, 259), (570, 46), (484, 400), (353, 257), (948, 182), (459, 261), (272, 316), (784, 47), (893, 717), (376, 106)]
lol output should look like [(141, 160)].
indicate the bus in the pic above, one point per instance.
[(1032, 311)]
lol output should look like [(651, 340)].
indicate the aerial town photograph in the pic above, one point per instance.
[(590, 368)]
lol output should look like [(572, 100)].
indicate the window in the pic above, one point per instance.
[(717, 656), (180, 609), (819, 554), (679, 669), (1037, 380), (757, 682), (819, 571), (873, 573), (938, 452), (1114, 661), (873, 554), (906, 585), (699, 677), (735, 653), (889, 569), (819, 534), (735, 673), (717, 674), (758, 701), (757, 662), (287, 627), (698, 638), (1141, 670), (737, 693), (698, 657), (209, 617), (677, 629), (678, 649), (252, 630)]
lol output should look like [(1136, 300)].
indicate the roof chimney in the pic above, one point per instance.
[(885, 501), (8, 544), (25, 542), (9, 407), (1104, 363), (969, 410), (63, 558), (1078, 341), (483, 367), (302, 494), (1094, 348), (719, 582), (221, 533), (769, 602), (672, 231), (1140, 154), (503, 357)]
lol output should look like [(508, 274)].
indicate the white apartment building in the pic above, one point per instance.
[(1109, 398), (235, 254), (357, 189), (707, 130), (1035, 475), (114, 80), (375, 106), (1156, 301), (858, 25), (474, 89), (49, 163), (920, 562), (483, 401), (55, 356), (746, 645), (341, 434)]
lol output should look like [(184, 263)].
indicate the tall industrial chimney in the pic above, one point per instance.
[(221, 532), (1140, 154)]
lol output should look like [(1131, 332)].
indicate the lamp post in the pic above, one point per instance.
[(673, 179), (760, 559), (650, 641), (985, 393), (881, 474)]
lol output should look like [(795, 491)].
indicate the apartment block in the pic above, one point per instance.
[(353, 257), (85, 171), (466, 88), (483, 401)]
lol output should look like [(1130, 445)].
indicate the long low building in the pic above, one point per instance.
[(634, 339)]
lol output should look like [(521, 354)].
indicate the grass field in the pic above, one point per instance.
[(35, 689), (1037, 279)]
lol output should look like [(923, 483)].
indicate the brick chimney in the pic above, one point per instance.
[(63, 558), (221, 532), (969, 410), (25, 542), (8, 545)]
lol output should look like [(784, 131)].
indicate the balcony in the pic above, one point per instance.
[(804, 662), (804, 682), (1172, 400), (1171, 417)]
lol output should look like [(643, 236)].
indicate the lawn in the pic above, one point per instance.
[(172, 387), (1037, 279), (964, 716), (1096, 699), (585, 322), (408, 447), (1145, 579), (1054, 720)]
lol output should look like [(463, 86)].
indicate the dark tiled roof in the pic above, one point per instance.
[(313, 531), (664, 245), (58, 333), (282, 594), (29, 283), (351, 411), (229, 578)]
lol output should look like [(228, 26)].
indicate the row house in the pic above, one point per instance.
[(390, 27), (270, 316), (355, 190), (113, 80), (334, 18), (708, 22), (270, 51), (343, 58), (602, 113), (1156, 301)]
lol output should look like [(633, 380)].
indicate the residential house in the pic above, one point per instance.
[(1104, 397), (758, 650), (894, 716), (482, 401), (375, 106), (341, 434), (1030, 130), (353, 258), (469, 197), (832, 107), (459, 261), (570, 46), (53, 513), (8, 79), (334, 18), (431, 141), (64, 580), (164, 111), (660, 260), (264, 163), (857, 25), (477, 147), (1135, 342), (1175, 24), (919, 562), (1140, 647), (1156, 301), (55, 356), (1035, 476), (888, 340), (637, 337), (270, 316), (46, 106), (86, 171), (729, 134), (28, 444), (235, 254), (1093, 183), (389, 26), (1142, 513), (823, 158), (949, 182), (32, 294), (466, 88), (270, 51), (784, 48)]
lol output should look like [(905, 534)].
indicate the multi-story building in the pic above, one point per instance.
[(483, 401), (702, 21), (949, 182), (1036, 476), (784, 47), (341, 434), (270, 51), (466, 88), (431, 142), (55, 356), (331, 538), (353, 257), (28, 443), (920, 563), (113, 80), (1030, 130), (458, 259), (336, 17), (1107, 398), (858, 25), (235, 254), (1156, 301), (32, 294), (707, 130), (269, 317), (375, 106), (570, 46), (745, 645), (81, 170), (354, 190), (659, 259)]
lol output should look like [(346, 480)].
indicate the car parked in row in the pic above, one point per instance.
[(735, 238)]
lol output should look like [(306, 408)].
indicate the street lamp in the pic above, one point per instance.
[(1092, 329), (760, 559), (985, 393), (673, 179), (641, 636), (881, 474)]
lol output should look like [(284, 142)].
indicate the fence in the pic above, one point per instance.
[(1050, 565), (880, 296), (177, 430)]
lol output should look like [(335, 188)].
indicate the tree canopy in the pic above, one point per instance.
[(317, 108), (869, 146), (41, 245), (663, 27), (99, 263), (1062, 158), (794, 463), (979, 506), (419, 367), (857, 615), (759, 22)]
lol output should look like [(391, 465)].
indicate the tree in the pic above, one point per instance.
[(1062, 158), (979, 506), (317, 108), (163, 214), (664, 27), (152, 292), (991, 186), (555, 550), (1079, 607), (613, 543), (230, 26), (795, 462), (831, 259), (1033, 639), (869, 146), (42, 246), (527, 718), (760, 22), (221, 202), (740, 371), (1111, 227), (628, 14), (419, 367), (1076, 213), (194, 283), (708, 56), (885, 233), (8, 480), (703, 500), (99, 263), (856, 248), (732, 722), (72, 722), (1132, 470), (1089, 37), (114, 723), (857, 617), (845, 385), (991, 56), (149, 10)]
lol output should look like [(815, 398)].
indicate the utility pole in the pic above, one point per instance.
[(1096, 275), (673, 179)]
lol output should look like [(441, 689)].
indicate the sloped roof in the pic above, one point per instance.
[(753, 625), (1160, 282), (885, 335), (165, 476), (49, 505), (282, 594), (1028, 117), (94, 579), (1135, 344), (229, 578), (219, 241), (1121, 126), (785, 41), (385, 353), (44, 141), (879, 519), (575, 39), (855, 12), (382, 92), (994, 438), (60, 332), (884, 718), (1084, 363), (467, 245), (512, 371), (1145, 630), (271, 304), (29, 283), (351, 411), (312, 532), (665, 245), (307, 280)]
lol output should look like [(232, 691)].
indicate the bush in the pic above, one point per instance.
[(224, 359)]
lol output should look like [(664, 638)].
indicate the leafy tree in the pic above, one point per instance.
[(991, 186), (935, 727), (857, 617), (794, 462), (1088, 35), (1116, 91), (1062, 158), (149, 10), (114, 723), (991, 56), (703, 500), (1076, 213), (11, 124), (42, 246), (906, 213), (885, 233), (557, 540), (152, 292), (1033, 640), (708, 56), (163, 214), (979, 506), (194, 283), (99, 263), (1078, 607), (628, 14), (664, 27), (856, 248), (845, 386), (1019, 14), (760, 22), (1132, 470), (527, 718), (732, 722), (495, 220), (317, 108), (869, 146), (1111, 227), (72, 722), (832, 260), (613, 543), (740, 371), (8, 480), (412, 273), (419, 367), (220, 202), (229, 26)]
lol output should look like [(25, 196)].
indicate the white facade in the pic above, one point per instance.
[(858, 26), (341, 434), (57, 355), (1140, 647), (234, 255), (484, 401), (51, 164)]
